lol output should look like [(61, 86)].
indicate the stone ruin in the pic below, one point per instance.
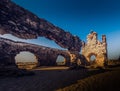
[(48, 56), (93, 47), (21, 23)]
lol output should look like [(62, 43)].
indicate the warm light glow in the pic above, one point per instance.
[(25, 57), (60, 60)]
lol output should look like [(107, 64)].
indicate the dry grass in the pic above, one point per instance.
[(108, 81), (114, 62), (52, 68), (26, 65), (43, 80), (54, 78)]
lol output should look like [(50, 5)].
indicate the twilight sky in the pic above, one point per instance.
[(79, 17)]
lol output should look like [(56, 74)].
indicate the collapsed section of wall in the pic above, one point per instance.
[(94, 47)]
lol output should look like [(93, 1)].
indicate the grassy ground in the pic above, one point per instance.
[(106, 81)]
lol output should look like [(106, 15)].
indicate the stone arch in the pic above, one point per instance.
[(26, 60), (91, 54), (66, 58), (61, 60), (34, 27), (46, 56), (92, 58)]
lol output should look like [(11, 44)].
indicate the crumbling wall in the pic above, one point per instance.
[(94, 47), (46, 56), (21, 23)]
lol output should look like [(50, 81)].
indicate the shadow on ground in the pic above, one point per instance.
[(47, 80)]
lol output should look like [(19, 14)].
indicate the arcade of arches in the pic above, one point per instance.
[(29, 26)]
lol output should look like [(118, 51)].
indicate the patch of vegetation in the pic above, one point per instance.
[(27, 65), (113, 63)]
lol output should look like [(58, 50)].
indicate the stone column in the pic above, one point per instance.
[(104, 41)]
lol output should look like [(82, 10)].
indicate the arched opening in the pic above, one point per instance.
[(60, 60), (92, 58), (26, 60)]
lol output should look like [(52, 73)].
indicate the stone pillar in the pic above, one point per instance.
[(103, 38), (104, 41)]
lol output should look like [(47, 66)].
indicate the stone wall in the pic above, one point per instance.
[(46, 56), (21, 23), (94, 47)]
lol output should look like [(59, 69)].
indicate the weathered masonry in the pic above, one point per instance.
[(93, 47), (23, 24)]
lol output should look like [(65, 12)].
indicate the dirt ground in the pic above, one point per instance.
[(45, 79)]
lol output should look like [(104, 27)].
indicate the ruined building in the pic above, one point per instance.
[(93, 47), (21, 23)]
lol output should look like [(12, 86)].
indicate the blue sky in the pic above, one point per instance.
[(79, 17)]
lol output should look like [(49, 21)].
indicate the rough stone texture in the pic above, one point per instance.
[(46, 56), (21, 23), (74, 56), (96, 48)]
